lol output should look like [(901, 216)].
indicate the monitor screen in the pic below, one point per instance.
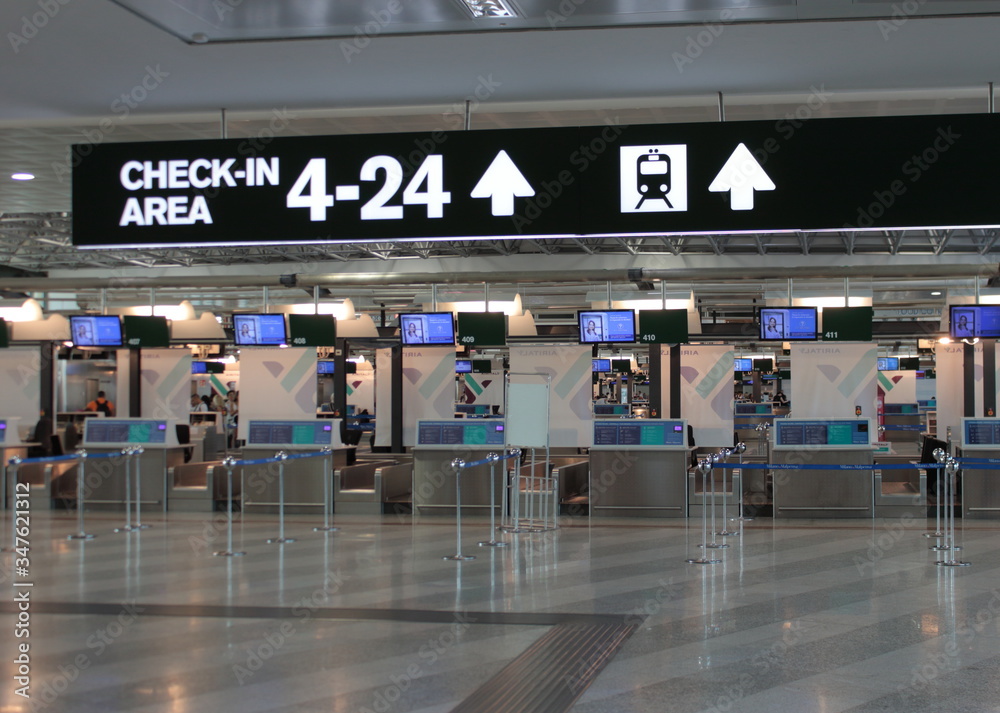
[(463, 366), (146, 331), (833, 432), (601, 365), (743, 364), (427, 329), (887, 363), (95, 331), (763, 364), (312, 330), (199, 367), (482, 366), (788, 323), (4, 334), (258, 330), (909, 363), (324, 367), (609, 326), (975, 321)]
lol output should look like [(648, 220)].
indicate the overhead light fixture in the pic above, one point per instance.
[(944, 340), (23, 176), (489, 8), (935, 294)]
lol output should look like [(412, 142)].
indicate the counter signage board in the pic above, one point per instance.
[(482, 329), (611, 180), (847, 324), (663, 326)]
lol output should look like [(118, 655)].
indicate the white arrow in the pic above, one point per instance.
[(741, 175), (501, 182)]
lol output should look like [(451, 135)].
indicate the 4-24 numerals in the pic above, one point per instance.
[(426, 188)]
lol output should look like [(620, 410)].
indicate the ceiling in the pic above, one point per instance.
[(73, 76)]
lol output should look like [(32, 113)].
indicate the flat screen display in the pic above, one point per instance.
[(980, 432), (199, 367), (975, 321), (312, 330), (909, 363), (788, 323), (836, 433), (482, 432), (259, 330), (601, 365), (95, 331), (743, 364), (610, 326), (292, 433), (482, 366), (427, 329), (763, 364), (324, 367), (4, 334), (109, 430), (146, 332), (887, 363), (463, 366), (641, 433)]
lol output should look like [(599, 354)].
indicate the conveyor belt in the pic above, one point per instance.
[(553, 673)]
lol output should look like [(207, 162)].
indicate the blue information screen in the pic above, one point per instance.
[(788, 323), (743, 364), (640, 432), (485, 432), (427, 329), (753, 409), (96, 331), (887, 364), (293, 433), (607, 326), (822, 433), (121, 432), (985, 432), (896, 409), (259, 329), (975, 321)]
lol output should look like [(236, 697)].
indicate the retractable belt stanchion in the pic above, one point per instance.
[(327, 527), (81, 534), (741, 448), (950, 469), (127, 454), (458, 465), (939, 455), (281, 539), (229, 463), (704, 468), (136, 452), (726, 453), (494, 458), (714, 544), (13, 466)]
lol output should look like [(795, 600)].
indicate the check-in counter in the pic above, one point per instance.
[(638, 468), (104, 478), (304, 488), (980, 491), (899, 492), (840, 492), (747, 417), (438, 444), (903, 423)]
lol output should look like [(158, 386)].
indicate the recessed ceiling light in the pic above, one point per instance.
[(22, 176), (489, 8), (935, 294)]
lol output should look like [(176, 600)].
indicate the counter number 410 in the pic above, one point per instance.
[(425, 188)]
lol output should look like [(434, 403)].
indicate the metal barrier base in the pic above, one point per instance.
[(280, 540), (326, 529), (952, 563), (81, 536), (702, 560), (226, 553), (492, 543), (459, 558), (126, 528)]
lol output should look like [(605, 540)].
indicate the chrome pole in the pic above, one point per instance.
[(229, 463)]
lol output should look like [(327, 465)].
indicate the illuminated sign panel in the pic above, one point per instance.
[(825, 174)]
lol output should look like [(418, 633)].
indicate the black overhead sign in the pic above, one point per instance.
[(821, 174)]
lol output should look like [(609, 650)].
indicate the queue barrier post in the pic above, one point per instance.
[(741, 448), (281, 457), (726, 453), (136, 452), (127, 454), (951, 470), (704, 468), (13, 466), (229, 462), (81, 534), (494, 458), (458, 465), (714, 544), (327, 527), (939, 456)]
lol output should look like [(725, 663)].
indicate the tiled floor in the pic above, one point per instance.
[(824, 616)]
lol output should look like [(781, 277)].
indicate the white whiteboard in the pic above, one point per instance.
[(527, 415)]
